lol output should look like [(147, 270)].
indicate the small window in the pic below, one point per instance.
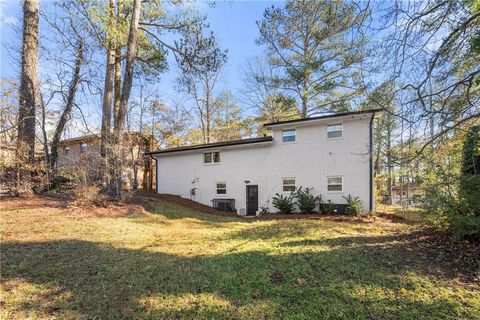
[(335, 184), (289, 135), (211, 157), (335, 130), (83, 147), (207, 158), (66, 150), (288, 184), (221, 188)]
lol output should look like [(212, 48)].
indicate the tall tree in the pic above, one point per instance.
[(317, 47), (29, 83), (430, 52), (119, 128), (270, 103), (69, 103), (200, 82), (109, 80), (229, 123), (382, 97)]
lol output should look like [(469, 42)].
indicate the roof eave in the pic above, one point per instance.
[(315, 119), (239, 143)]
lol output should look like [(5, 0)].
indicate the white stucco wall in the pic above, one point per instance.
[(311, 159)]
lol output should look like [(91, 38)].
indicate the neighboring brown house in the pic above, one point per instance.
[(83, 153), (412, 195)]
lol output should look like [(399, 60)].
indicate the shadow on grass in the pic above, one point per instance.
[(96, 280)]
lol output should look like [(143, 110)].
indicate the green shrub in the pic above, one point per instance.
[(306, 201), (328, 207), (466, 227), (283, 203), (354, 205)]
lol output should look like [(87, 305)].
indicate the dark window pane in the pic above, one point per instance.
[(207, 158), (288, 188), (289, 139), (221, 191), (335, 187), (335, 180), (335, 134), (216, 157), (289, 135)]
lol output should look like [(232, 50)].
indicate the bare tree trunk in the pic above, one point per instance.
[(389, 167), (304, 106), (118, 132), (118, 67), (72, 90), (46, 154), (108, 86), (29, 89), (208, 111)]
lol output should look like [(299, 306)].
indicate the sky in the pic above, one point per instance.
[(233, 22)]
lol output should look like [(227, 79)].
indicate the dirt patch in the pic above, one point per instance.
[(112, 210), (394, 218), (455, 258), (34, 201), (67, 206)]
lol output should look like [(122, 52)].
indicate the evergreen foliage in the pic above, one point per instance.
[(285, 204), (305, 200)]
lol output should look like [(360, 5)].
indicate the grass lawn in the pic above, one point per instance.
[(411, 213), (174, 263)]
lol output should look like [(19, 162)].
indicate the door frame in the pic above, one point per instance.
[(246, 199)]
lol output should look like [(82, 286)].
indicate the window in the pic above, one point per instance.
[(83, 147), (288, 184), (334, 130), (335, 184), (65, 151), (221, 188), (211, 157), (289, 135)]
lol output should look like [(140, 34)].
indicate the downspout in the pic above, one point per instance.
[(371, 162), (156, 173)]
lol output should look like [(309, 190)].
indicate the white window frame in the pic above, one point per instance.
[(335, 184), (294, 135), (66, 151), (81, 147), (335, 124), (212, 157), (289, 185), (217, 188)]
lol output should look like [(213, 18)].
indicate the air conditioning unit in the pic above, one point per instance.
[(242, 212)]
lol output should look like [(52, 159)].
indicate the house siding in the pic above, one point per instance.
[(310, 159)]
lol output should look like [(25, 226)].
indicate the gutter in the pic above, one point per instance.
[(371, 162)]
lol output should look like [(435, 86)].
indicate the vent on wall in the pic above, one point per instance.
[(242, 211)]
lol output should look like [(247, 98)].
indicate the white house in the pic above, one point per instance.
[(333, 154)]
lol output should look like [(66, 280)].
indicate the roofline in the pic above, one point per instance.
[(213, 145), (335, 115), (98, 136)]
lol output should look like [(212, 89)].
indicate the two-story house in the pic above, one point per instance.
[(333, 154)]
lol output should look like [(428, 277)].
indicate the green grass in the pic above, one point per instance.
[(411, 213), (175, 263)]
